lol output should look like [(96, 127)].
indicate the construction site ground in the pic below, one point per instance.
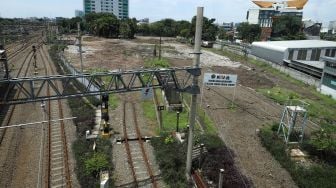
[(238, 125)]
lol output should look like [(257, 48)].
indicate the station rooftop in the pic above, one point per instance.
[(295, 44)]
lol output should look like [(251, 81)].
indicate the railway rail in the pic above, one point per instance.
[(8, 117), (13, 136), (58, 173), (137, 163)]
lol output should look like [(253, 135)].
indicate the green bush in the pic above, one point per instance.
[(315, 175), (171, 157), (96, 163)]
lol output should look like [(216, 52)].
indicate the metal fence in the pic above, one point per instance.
[(72, 70)]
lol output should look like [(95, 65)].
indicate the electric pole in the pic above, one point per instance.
[(80, 45), (192, 117)]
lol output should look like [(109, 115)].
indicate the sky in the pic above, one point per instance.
[(221, 10)]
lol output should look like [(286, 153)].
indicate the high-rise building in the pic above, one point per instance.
[(269, 10), (79, 13), (119, 8), (332, 27)]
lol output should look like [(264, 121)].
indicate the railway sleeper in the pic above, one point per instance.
[(58, 185), (56, 149), (57, 146), (144, 138), (57, 154), (57, 163), (58, 180), (56, 142), (56, 158), (56, 135), (58, 174)]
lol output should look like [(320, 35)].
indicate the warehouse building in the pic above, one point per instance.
[(328, 81), (302, 55)]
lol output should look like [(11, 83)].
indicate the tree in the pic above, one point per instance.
[(249, 32), (222, 34), (128, 28), (102, 24), (185, 33), (144, 29), (287, 27), (209, 29)]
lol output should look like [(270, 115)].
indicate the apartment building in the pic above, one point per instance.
[(119, 8)]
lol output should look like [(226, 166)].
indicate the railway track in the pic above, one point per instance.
[(137, 157), (26, 43), (58, 173), (13, 137), (7, 116)]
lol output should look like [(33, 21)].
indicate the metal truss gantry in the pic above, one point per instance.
[(293, 121), (33, 88)]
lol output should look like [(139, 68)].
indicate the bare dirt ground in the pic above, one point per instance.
[(237, 127)]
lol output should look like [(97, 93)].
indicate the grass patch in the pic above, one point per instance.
[(264, 66), (168, 118), (206, 121), (113, 101), (158, 63), (322, 109), (316, 175)]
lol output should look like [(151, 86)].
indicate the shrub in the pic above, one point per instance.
[(315, 175), (171, 158), (96, 163)]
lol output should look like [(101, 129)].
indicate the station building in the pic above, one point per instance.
[(328, 80), (302, 55)]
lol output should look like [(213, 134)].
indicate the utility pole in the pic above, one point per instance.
[(80, 45), (160, 45), (192, 117)]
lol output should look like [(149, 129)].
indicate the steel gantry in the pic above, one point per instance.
[(95, 84)]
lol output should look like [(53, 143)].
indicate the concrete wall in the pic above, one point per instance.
[(268, 54), (328, 91), (292, 72)]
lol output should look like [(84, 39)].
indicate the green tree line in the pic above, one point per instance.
[(100, 24)]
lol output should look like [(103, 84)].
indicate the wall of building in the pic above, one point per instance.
[(268, 54), (309, 53), (119, 8), (328, 91), (253, 16)]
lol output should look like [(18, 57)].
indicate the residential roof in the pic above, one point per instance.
[(299, 4), (284, 45)]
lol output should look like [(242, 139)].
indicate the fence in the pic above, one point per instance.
[(84, 81)]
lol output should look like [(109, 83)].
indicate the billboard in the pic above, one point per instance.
[(220, 80)]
